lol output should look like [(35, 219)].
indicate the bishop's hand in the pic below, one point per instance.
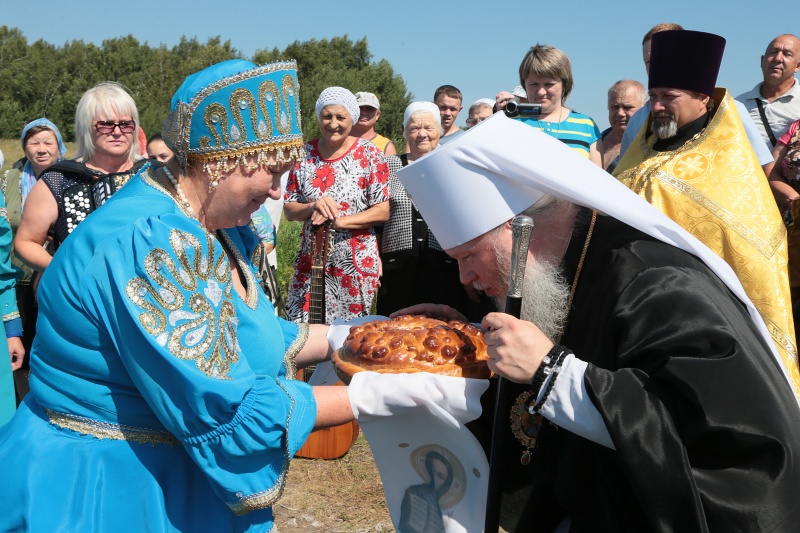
[(516, 347)]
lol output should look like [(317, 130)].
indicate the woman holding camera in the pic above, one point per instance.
[(546, 75)]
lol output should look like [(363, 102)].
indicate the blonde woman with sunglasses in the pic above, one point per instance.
[(106, 127)]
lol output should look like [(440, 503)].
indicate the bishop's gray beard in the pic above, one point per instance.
[(664, 130), (545, 293)]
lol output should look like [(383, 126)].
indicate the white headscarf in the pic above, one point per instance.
[(485, 101), (338, 96), (413, 107)]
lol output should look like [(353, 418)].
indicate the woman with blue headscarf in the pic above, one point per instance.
[(43, 147), (162, 392)]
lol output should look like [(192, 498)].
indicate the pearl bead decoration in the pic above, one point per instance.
[(179, 191)]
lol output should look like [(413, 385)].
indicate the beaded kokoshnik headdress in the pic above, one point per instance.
[(235, 109)]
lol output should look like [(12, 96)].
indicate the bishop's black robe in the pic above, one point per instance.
[(706, 428)]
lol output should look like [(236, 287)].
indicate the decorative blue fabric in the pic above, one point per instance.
[(8, 307), (578, 131), (264, 228), (234, 108), (142, 337)]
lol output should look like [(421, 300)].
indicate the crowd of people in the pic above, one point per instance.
[(657, 329)]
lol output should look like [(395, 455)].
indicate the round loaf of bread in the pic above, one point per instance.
[(412, 343)]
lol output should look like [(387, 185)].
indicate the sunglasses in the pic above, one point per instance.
[(106, 127)]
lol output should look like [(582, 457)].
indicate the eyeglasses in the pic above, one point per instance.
[(476, 120), (106, 127)]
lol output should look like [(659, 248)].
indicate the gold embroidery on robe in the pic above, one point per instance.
[(714, 187), (192, 324)]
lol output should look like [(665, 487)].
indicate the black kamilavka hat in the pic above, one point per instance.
[(683, 59)]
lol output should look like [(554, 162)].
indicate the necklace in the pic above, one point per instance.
[(182, 197), (526, 424), (547, 128)]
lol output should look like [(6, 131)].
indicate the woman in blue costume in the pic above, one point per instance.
[(162, 396), (11, 354)]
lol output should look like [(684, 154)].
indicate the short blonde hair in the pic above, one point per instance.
[(549, 62), (105, 99)]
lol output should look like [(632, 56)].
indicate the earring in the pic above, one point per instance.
[(213, 184)]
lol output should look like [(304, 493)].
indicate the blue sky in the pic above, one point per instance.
[(473, 45)]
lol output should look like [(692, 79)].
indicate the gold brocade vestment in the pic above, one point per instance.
[(714, 187)]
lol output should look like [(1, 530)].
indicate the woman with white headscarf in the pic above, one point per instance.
[(342, 180), (415, 268)]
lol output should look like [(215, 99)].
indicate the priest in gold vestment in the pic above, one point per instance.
[(693, 161)]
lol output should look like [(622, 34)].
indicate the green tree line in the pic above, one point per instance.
[(45, 80)]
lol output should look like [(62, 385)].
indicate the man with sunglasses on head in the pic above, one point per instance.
[(106, 122)]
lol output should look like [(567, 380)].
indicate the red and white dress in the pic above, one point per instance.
[(357, 181)]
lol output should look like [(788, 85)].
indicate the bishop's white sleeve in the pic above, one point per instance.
[(569, 407)]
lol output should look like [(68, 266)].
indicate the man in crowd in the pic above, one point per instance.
[(674, 412), (480, 111), (775, 103), (624, 98), (448, 99), (370, 109), (639, 118), (697, 168)]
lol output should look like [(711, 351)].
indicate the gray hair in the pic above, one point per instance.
[(622, 85), (105, 99), (420, 113), (479, 105), (546, 205)]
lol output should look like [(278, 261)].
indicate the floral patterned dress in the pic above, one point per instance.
[(356, 181)]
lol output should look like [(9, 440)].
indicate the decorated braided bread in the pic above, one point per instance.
[(413, 343)]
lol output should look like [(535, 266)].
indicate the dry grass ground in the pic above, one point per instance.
[(343, 495)]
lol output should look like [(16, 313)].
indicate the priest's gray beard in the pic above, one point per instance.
[(665, 130), (545, 293)]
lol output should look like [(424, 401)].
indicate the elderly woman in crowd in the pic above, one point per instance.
[(480, 111), (161, 397), (344, 181), (43, 147), (546, 76), (108, 155), (415, 268)]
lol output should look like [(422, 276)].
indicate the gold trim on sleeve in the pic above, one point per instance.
[(294, 349)]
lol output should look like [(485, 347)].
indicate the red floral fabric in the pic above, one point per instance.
[(356, 181)]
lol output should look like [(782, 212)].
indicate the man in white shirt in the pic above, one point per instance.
[(775, 103)]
